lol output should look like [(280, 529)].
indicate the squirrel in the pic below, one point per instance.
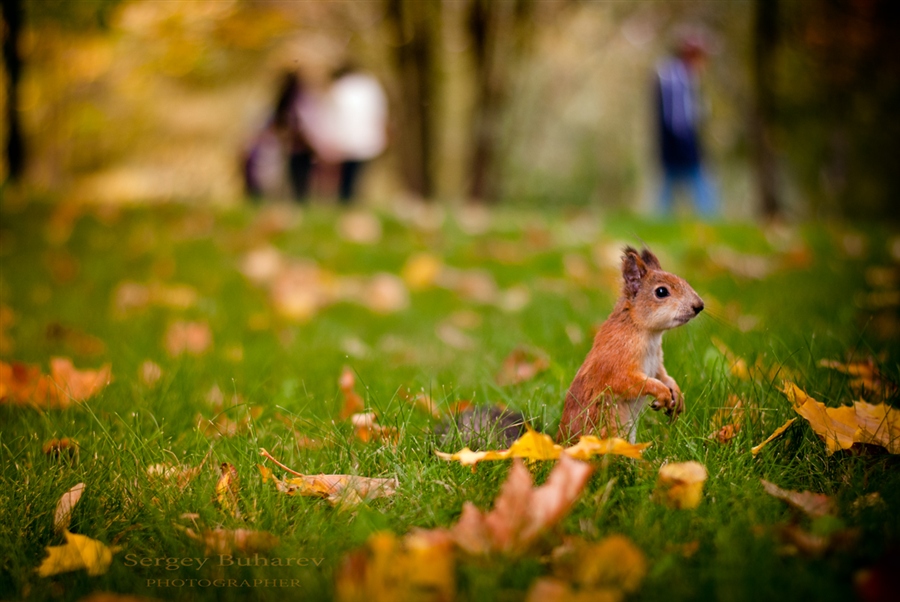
[(622, 370), (624, 367)]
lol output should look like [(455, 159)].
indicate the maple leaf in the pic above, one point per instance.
[(538, 446), (777, 433), (844, 426), (418, 566), (680, 485), (336, 488), (521, 512), (24, 384), (79, 552), (813, 504), (521, 366)]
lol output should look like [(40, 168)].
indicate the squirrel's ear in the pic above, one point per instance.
[(633, 270), (650, 259)]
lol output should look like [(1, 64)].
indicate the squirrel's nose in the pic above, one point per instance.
[(697, 307)]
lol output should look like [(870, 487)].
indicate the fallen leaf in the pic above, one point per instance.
[(866, 377), (521, 512), (421, 271), (336, 488), (680, 485), (814, 505), (57, 448), (521, 366), (79, 552), (844, 426), (353, 403), (149, 373), (360, 227), (227, 489), (727, 421), (366, 428), (421, 401), (813, 544), (63, 514), (385, 294), (192, 338), (181, 475), (777, 433), (419, 566), (24, 384), (227, 541), (538, 446), (78, 385)]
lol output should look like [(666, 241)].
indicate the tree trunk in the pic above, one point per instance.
[(762, 126), (15, 142), (416, 26)]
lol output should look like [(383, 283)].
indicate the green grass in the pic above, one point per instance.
[(59, 275)]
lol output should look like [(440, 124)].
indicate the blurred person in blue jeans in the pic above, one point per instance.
[(679, 112)]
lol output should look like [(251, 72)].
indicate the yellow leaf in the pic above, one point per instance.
[(421, 271), (843, 426), (680, 485), (79, 552), (538, 446), (227, 489), (778, 432)]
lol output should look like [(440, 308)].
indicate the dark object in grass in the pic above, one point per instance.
[(480, 428)]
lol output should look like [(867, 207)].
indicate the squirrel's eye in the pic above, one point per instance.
[(661, 292)]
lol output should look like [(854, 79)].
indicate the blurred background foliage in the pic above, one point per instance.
[(513, 101)]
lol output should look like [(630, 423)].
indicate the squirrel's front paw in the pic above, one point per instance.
[(665, 397)]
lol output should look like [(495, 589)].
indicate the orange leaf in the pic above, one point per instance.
[(814, 504), (227, 489), (521, 512), (353, 403), (24, 384), (843, 426), (778, 432), (680, 485)]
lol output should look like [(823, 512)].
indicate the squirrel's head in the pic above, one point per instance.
[(657, 299)]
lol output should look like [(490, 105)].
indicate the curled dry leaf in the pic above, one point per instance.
[(227, 489), (353, 402), (366, 428), (538, 446), (844, 426), (727, 421), (777, 433), (680, 485), (61, 448), (419, 566), (814, 505), (336, 488), (229, 541), (63, 514), (521, 366), (521, 512), (79, 552)]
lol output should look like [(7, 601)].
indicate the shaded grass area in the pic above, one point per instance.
[(780, 298)]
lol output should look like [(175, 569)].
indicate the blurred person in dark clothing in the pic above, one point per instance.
[(679, 113)]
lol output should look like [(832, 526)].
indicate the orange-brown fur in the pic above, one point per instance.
[(625, 365)]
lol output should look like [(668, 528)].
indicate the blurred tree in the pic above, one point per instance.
[(764, 111), (417, 28), (12, 61), (501, 34)]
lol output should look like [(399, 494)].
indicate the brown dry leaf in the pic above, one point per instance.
[(420, 566), (521, 512), (606, 570), (353, 403), (181, 475), (865, 378), (538, 446), (421, 401), (844, 426), (79, 552), (680, 485), (777, 433), (336, 488), (813, 504), (193, 338), (63, 514), (366, 428), (227, 489), (811, 544), (227, 541), (520, 366), (727, 421), (59, 448)]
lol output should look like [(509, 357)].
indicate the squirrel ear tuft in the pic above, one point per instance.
[(633, 270), (650, 259)]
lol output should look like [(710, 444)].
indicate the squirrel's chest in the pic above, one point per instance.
[(651, 362)]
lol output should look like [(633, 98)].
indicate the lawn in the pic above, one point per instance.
[(229, 330)]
